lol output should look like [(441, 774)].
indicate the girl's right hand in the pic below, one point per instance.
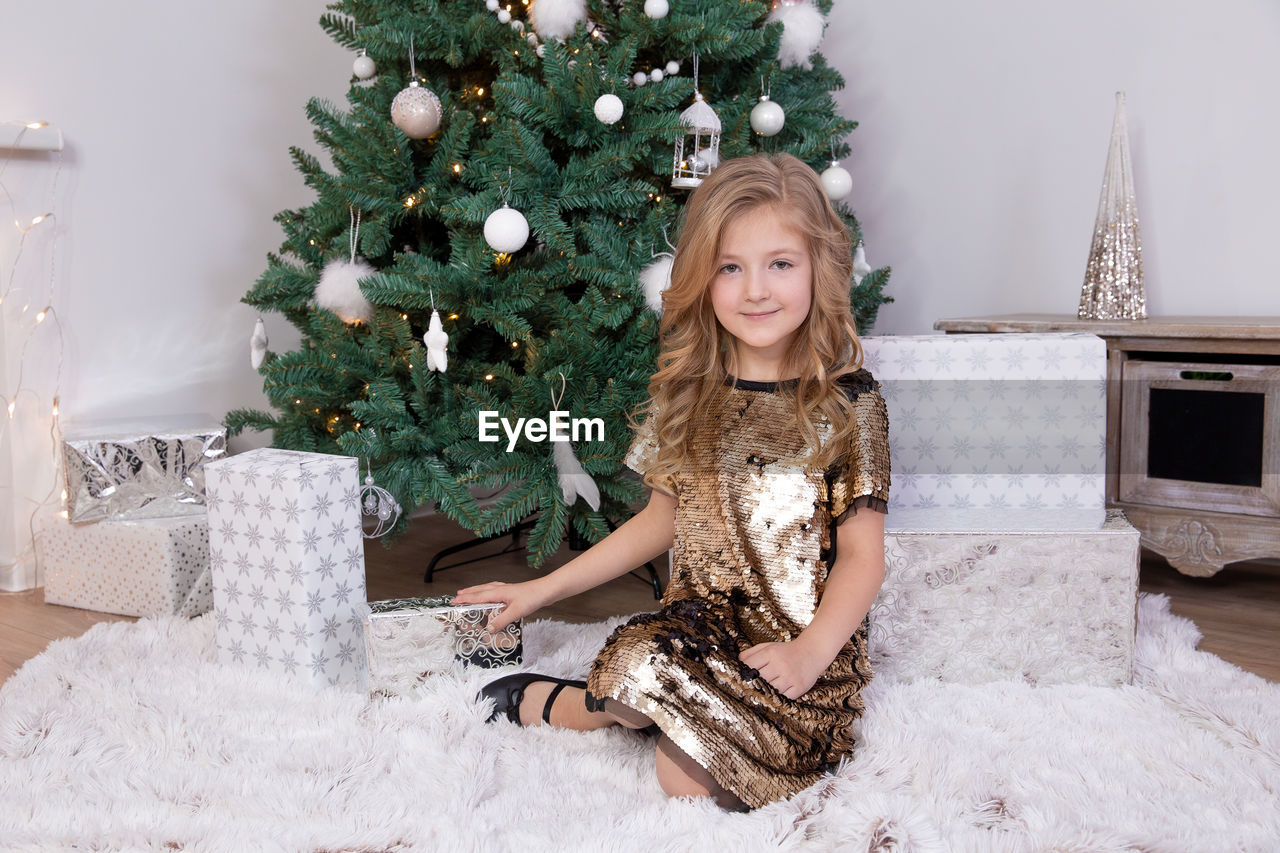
[(520, 599)]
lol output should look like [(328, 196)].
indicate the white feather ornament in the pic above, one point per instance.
[(555, 19), (436, 342), (258, 344), (655, 279), (802, 25), (339, 290), (860, 265), (574, 481)]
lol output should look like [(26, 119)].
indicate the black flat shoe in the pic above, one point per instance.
[(508, 691)]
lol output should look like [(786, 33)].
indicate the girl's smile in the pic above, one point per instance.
[(762, 290)]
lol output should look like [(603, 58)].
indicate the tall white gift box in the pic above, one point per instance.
[(287, 554)]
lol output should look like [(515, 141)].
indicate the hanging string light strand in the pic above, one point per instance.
[(47, 316)]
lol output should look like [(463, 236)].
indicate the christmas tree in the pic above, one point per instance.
[(501, 179)]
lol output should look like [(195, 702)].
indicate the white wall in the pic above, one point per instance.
[(977, 167), (177, 119), (984, 133)]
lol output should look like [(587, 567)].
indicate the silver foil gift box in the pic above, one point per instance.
[(408, 640), (128, 469)]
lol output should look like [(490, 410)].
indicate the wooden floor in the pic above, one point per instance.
[(1237, 610)]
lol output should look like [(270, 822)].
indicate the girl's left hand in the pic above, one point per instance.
[(791, 667)]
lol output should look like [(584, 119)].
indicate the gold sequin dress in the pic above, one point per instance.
[(753, 544)]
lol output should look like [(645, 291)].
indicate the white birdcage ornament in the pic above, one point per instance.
[(698, 150)]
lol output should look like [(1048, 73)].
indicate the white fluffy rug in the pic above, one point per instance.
[(133, 737)]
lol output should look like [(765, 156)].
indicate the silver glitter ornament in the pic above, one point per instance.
[(416, 111), (1113, 283)]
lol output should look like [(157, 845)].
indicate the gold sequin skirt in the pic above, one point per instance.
[(679, 666)]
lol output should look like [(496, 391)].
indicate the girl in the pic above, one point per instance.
[(764, 444)]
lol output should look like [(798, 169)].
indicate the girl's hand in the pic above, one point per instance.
[(520, 599), (792, 667)]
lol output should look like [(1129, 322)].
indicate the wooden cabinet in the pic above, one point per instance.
[(1193, 429)]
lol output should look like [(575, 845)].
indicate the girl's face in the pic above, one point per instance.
[(762, 290)]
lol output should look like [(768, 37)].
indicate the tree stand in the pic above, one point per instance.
[(576, 543)]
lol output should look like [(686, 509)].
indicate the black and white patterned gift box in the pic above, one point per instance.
[(407, 640), (287, 555)]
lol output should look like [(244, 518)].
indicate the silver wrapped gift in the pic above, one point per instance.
[(409, 639), (128, 469)]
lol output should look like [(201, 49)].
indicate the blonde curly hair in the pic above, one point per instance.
[(696, 354)]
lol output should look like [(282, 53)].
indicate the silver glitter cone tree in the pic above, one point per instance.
[(1113, 287), (570, 122)]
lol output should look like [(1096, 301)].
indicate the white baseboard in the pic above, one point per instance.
[(19, 576)]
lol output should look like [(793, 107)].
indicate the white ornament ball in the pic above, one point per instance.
[(506, 230), (656, 75), (504, 16), (640, 78), (541, 49), (492, 5), (837, 181), (416, 111), (339, 290), (656, 9), (767, 118), (608, 108), (673, 67), (518, 26), (364, 67)]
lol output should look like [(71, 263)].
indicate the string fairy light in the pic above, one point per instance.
[(25, 325)]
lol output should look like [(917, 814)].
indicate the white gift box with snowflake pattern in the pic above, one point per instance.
[(287, 556), (998, 431)]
